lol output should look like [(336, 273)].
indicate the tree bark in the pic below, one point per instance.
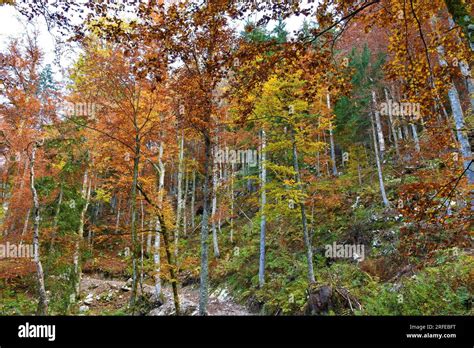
[(415, 137), (394, 131), (117, 219), (158, 229), (156, 259), (263, 201), (379, 127), (179, 204), (193, 200), (379, 165), (331, 140), (309, 249), (232, 174), (462, 137), (214, 208), (86, 190), (133, 208), (42, 298), (185, 198), (203, 288)]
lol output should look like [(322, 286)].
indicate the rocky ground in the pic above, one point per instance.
[(105, 296)]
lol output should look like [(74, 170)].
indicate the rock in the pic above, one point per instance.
[(89, 299), (223, 295), (187, 308), (83, 308), (126, 287)]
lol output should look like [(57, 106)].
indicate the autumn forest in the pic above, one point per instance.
[(221, 157)]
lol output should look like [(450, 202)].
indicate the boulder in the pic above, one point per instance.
[(83, 308), (187, 308), (89, 299)]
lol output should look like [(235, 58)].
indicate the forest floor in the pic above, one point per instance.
[(101, 296)]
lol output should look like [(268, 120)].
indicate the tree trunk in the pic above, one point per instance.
[(214, 208), (331, 140), (179, 204), (169, 257), (379, 127), (232, 203), (263, 221), (394, 131), (117, 219), (142, 245), (465, 71), (415, 137), (86, 190), (149, 239), (203, 288), (309, 249), (379, 165), (42, 299), (193, 200), (158, 229), (133, 227), (462, 137), (185, 198), (156, 259)]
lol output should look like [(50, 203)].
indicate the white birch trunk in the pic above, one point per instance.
[(379, 126), (42, 298)]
